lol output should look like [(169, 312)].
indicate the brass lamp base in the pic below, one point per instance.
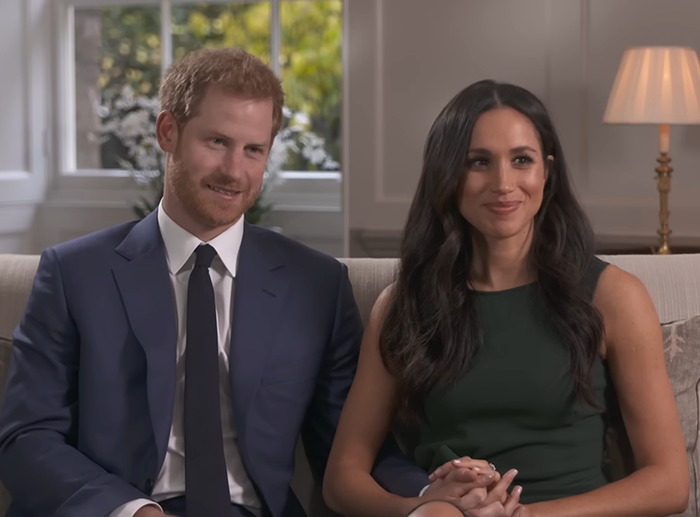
[(663, 178)]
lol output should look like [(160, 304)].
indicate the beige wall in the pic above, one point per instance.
[(409, 57), (405, 59)]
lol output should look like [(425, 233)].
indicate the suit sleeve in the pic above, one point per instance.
[(39, 462), (392, 469)]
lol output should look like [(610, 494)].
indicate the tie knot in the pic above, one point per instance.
[(204, 255)]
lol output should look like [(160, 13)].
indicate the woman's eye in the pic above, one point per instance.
[(217, 141), (478, 163), (522, 160)]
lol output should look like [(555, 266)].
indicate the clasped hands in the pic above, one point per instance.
[(477, 488)]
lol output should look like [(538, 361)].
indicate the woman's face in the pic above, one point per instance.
[(505, 176)]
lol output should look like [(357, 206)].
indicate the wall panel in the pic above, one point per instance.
[(414, 55)]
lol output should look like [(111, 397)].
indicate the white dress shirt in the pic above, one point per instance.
[(179, 247)]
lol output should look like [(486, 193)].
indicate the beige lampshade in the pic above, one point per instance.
[(656, 85)]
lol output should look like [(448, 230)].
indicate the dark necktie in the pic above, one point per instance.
[(206, 482)]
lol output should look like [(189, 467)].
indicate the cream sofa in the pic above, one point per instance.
[(673, 281)]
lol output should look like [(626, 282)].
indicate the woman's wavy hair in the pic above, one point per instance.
[(431, 332)]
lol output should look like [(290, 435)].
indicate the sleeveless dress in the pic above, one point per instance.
[(516, 407)]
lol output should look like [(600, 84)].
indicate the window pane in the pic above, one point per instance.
[(117, 69), (203, 25), (311, 66)]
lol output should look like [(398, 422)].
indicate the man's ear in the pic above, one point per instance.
[(548, 164), (167, 131)]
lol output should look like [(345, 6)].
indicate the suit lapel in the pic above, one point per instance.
[(146, 290), (261, 285)]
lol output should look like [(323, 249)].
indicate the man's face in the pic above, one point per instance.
[(215, 161)]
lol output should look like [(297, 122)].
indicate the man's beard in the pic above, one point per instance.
[(207, 212)]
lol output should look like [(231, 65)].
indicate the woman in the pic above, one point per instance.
[(504, 336)]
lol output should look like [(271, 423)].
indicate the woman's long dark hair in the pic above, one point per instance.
[(431, 332)]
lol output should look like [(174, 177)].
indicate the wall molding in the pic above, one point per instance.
[(380, 190), (584, 101)]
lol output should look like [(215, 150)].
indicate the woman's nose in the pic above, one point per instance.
[(503, 179)]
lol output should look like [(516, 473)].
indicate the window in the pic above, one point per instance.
[(115, 51)]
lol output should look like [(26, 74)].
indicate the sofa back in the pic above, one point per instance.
[(673, 282)]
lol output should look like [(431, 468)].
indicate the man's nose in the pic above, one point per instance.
[(233, 165)]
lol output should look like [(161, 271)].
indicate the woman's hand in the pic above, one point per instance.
[(476, 488), (500, 503), (464, 462), (463, 486)]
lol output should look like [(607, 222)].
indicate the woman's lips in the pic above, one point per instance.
[(503, 207)]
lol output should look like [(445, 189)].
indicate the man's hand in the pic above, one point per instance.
[(150, 511)]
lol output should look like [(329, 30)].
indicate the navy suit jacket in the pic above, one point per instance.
[(88, 405)]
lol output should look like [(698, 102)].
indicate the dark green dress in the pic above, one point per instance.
[(516, 407)]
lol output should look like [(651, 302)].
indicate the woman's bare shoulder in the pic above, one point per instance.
[(619, 290), (629, 316), (382, 303)]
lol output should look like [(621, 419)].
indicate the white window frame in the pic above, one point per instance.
[(293, 191)]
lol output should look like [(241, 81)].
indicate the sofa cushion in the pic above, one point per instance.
[(682, 350), (16, 277), (5, 348), (4, 363)]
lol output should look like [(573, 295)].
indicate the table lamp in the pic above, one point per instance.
[(657, 85)]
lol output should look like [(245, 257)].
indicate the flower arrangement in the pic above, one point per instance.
[(130, 120)]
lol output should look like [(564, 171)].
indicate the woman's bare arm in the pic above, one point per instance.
[(369, 410), (633, 348)]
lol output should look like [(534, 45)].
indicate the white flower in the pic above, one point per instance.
[(301, 119), (125, 101)]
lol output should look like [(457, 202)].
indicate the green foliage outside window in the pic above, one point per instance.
[(310, 64)]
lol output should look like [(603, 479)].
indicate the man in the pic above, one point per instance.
[(109, 374)]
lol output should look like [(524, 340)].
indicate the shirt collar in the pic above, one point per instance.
[(180, 244)]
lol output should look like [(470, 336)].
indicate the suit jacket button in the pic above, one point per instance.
[(149, 486)]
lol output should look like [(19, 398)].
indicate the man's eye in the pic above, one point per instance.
[(217, 141)]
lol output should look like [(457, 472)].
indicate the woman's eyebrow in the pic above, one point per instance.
[(479, 150), (522, 148)]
